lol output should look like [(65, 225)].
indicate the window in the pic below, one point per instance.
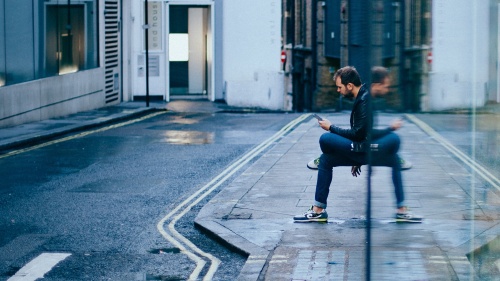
[(45, 38), (70, 31)]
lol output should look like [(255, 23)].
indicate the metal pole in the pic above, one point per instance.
[(146, 31), (360, 56)]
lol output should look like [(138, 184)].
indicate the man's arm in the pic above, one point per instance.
[(361, 122), (378, 133)]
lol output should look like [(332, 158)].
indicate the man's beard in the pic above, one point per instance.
[(349, 95)]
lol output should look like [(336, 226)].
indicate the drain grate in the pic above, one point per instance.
[(165, 251)]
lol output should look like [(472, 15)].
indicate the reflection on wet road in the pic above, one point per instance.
[(188, 137)]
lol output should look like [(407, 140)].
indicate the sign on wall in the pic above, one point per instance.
[(155, 25)]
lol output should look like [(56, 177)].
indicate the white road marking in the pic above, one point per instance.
[(38, 267), (176, 238), (481, 171)]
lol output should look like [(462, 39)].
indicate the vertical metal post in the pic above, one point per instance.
[(314, 49), (360, 49), (146, 33)]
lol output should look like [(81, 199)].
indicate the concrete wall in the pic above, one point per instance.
[(51, 97), (251, 58), (459, 76)]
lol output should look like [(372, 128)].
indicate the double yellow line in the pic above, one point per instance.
[(186, 246), (480, 170), (83, 134)]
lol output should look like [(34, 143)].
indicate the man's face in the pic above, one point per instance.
[(344, 90), (381, 89)]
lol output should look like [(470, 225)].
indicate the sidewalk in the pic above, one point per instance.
[(254, 213), (11, 137)]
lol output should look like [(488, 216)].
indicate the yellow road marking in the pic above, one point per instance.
[(83, 134), (179, 211), (480, 170)]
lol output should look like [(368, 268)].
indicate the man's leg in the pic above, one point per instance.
[(336, 152), (386, 155)]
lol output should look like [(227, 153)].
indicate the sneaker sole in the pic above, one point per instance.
[(311, 168), (411, 221), (314, 220)]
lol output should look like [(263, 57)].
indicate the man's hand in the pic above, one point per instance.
[(356, 171), (325, 124), (396, 124)]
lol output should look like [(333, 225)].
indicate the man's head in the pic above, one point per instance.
[(380, 81), (347, 81)]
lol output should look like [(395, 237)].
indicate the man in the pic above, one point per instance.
[(348, 147), (379, 87)]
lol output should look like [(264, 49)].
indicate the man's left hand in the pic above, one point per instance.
[(356, 171)]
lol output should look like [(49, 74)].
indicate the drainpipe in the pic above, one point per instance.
[(402, 56), (314, 49)]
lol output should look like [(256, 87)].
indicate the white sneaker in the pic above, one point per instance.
[(405, 165), (313, 164)]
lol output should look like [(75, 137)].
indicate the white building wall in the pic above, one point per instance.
[(244, 39), (459, 74), (136, 56), (251, 57)]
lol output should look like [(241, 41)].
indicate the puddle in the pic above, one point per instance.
[(486, 260), (188, 137), (165, 250)]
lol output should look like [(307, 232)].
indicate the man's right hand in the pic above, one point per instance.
[(325, 124)]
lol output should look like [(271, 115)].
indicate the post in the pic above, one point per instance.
[(146, 33), (360, 13)]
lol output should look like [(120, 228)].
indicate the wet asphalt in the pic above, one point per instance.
[(458, 239)]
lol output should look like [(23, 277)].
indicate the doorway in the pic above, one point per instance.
[(189, 56)]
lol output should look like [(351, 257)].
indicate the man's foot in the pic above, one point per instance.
[(313, 164), (405, 165), (408, 217), (312, 216)]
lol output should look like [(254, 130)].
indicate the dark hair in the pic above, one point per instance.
[(379, 74), (348, 74)]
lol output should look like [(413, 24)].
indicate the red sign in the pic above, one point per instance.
[(283, 56)]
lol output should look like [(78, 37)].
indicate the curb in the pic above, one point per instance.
[(78, 126)]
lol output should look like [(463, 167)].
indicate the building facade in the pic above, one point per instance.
[(437, 60), (59, 57), (207, 49), (465, 69)]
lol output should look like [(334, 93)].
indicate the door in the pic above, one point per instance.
[(188, 56)]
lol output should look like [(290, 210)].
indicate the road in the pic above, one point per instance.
[(98, 198)]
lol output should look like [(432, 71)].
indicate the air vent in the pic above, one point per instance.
[(112, 50)]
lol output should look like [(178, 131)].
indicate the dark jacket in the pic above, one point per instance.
[(360, 118), (361, 123)]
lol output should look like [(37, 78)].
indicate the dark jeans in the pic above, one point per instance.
[(337, 152)]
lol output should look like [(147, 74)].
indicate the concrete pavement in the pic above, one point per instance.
[(254, 213)]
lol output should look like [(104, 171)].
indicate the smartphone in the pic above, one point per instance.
[(317, 117)]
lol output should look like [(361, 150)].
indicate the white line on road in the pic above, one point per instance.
[(38, 267), (480, 170), (175, 237)]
